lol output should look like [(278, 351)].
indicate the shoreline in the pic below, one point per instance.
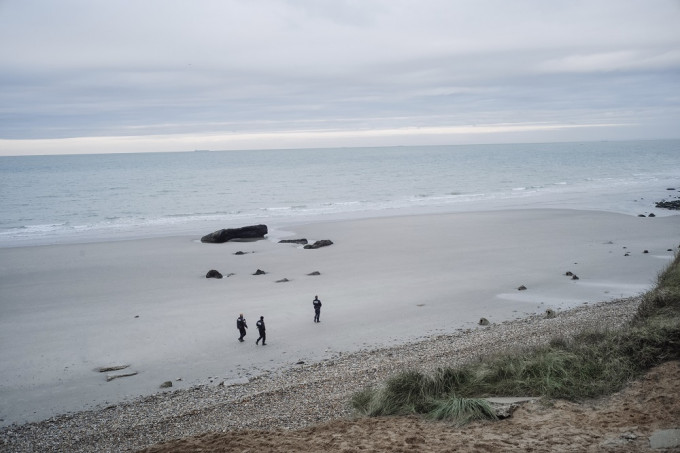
[(295, 396), (386, 281)]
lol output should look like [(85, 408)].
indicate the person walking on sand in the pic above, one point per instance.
[(317, 308), (263, 335), (241, 326)]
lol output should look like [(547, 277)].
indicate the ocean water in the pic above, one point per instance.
[(73, 198)]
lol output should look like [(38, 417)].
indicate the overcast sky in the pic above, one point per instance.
[(159, 75)]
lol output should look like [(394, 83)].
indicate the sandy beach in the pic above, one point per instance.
[(68, 310)]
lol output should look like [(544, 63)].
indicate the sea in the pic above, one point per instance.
[(56, 199)]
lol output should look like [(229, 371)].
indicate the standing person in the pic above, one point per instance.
[(241, 326), (317, 308), (262, 330)]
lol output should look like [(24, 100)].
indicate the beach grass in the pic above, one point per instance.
[(591, 364)]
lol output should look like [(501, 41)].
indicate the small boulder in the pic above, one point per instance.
[(212, 273), (483, 322), (318, 244), (259, 272), (645, 251), (569, 273), (549, 313), (228, 234), (641, 215), (166, 384), (652, 215), (574, 277), (314, 273), (293, 241), (522, 288), (283, 280)]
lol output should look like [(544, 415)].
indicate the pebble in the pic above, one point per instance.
[(292, 397)]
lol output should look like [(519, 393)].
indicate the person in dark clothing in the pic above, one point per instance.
[(317, 308), (262, 330), (241, 326)]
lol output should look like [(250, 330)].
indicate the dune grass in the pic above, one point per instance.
[(591, 364)]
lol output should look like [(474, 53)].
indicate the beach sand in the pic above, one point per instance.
[(68, 310)]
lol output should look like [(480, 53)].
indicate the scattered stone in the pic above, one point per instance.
[(522, 288), (111, 377), (293, 241), (283, 280), (483, 322), (212, 273), (574, 277), (301, 362), (166, 384), (239, 253), (550, 313), (645, 251), (259, 272), (651, 215), (318, 244), (673, 205), (314, 273), (569, 273), (665, 438), (108, 369), (228, 234)]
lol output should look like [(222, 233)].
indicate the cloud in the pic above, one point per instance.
[(84, 69)]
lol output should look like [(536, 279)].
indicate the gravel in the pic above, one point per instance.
[(295, 396)]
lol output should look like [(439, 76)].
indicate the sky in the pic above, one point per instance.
[(88, 76)]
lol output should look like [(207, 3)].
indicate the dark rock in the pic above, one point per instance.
[(626, 254), (645, 251), (669, 250), (283, 280), (569, 273), (641, 215), (652, 215), (317, 244), (675, 205), (230, 274), (483, 322), (228, 234), (293, 241), (671, 188), (239, 253), (259, 272), (212, 273), (574, 277), (522, 288), (301, 362), (314, 273), (549, 313), (166, 384)]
